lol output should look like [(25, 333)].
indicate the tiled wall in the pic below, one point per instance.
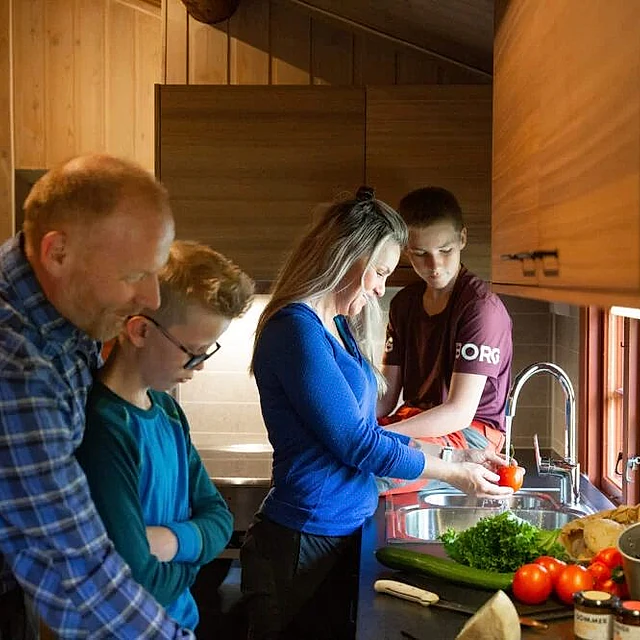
[(566, 354), (531, 343), (222, 406), (221, 402)]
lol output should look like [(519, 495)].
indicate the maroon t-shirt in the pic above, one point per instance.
[(471, 335)]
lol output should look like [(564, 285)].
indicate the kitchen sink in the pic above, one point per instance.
[(427, 523), (523, 499)]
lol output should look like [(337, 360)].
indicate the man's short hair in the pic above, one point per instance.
[(84, 190), (195, 274), (428, 205)]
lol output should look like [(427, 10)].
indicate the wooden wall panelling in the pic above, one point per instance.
[(60, 109), (208, 52), (458, 29), (89, 73), (147, 72), (246, 166), (6, 123), (290, 43), (437, 135), (331, 54), (29, 83), (249, 43), (455, 74), (415, 67), (121, 92), (176, 39), (374, 60)]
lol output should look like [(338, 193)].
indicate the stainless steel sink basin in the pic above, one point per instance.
[(426, 523), (524, 499)]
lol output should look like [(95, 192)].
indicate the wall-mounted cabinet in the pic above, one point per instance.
[(566, 151), (246, 166)]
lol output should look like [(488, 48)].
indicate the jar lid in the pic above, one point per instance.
[(593, 598), (629, 608)]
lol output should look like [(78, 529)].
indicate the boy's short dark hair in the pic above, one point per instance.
[(428, 205)]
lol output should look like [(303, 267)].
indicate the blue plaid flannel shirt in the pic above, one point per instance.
[(51, 537)]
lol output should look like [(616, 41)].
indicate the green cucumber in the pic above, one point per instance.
[(395, 557)]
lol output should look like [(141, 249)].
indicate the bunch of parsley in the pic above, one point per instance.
[(501, 543)]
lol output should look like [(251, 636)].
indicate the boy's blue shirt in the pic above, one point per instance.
[(144, 471)]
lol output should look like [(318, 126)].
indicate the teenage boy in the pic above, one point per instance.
[(149, 485), (448, 346)]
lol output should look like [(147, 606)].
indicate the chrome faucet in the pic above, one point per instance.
[(567, 468)]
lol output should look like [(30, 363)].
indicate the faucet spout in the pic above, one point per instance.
[(568, 468)]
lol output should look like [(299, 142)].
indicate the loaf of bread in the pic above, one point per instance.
[(584, 537)]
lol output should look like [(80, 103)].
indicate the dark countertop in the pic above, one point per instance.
[(383, 617)]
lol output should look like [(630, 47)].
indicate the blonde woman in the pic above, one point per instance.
[(318, 387)]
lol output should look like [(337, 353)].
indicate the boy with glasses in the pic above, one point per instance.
[(149, 485)]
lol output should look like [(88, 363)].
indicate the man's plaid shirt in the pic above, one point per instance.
[(51, 538)]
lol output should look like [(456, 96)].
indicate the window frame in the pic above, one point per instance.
[(594, 429)]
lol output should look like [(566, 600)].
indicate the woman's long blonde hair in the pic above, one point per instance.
[(348, 231)]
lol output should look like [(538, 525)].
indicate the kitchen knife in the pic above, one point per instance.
[(428, 598)]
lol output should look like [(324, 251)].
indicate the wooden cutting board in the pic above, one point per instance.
[(475, 598)]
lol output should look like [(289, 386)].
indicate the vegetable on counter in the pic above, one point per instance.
[(532, 584), (497, 619), (501, 543), (426, 564)]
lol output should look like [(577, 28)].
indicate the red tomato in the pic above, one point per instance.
[(616, 588), (609, 556), (600, 571), (552, 565), (571, 579), (532, 584), (511, 476)]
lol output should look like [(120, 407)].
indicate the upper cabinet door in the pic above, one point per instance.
[(516, 141), (434, 135), (566, 165), (246, 166)]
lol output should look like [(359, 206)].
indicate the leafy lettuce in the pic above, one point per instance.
[(501, 543)]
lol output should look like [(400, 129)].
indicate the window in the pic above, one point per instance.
[(609, 402)]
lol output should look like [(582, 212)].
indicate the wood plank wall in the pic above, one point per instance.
[(277, 42), (84, 72), (6, 128)]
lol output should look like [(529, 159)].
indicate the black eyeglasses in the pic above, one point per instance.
[(194, 358)]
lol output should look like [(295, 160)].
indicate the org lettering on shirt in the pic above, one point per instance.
[(482, 353)]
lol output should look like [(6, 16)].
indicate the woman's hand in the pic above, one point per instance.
[(474, 479)]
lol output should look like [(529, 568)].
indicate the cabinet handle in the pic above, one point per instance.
[(524, 257), (532, 256)]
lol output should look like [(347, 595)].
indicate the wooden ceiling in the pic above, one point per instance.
[(459, 30)]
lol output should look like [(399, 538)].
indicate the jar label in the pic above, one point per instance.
[(622, 631), (592, 626)]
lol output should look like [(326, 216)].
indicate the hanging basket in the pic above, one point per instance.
[(211, 11)]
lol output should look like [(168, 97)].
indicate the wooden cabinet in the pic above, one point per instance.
[(566, 150), (246, 165), (434, 135)]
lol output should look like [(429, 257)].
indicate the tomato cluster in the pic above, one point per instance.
[(534, 583), (606, 569)]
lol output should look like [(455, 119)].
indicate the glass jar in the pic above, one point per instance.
[(626, 625), (593, 615)]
